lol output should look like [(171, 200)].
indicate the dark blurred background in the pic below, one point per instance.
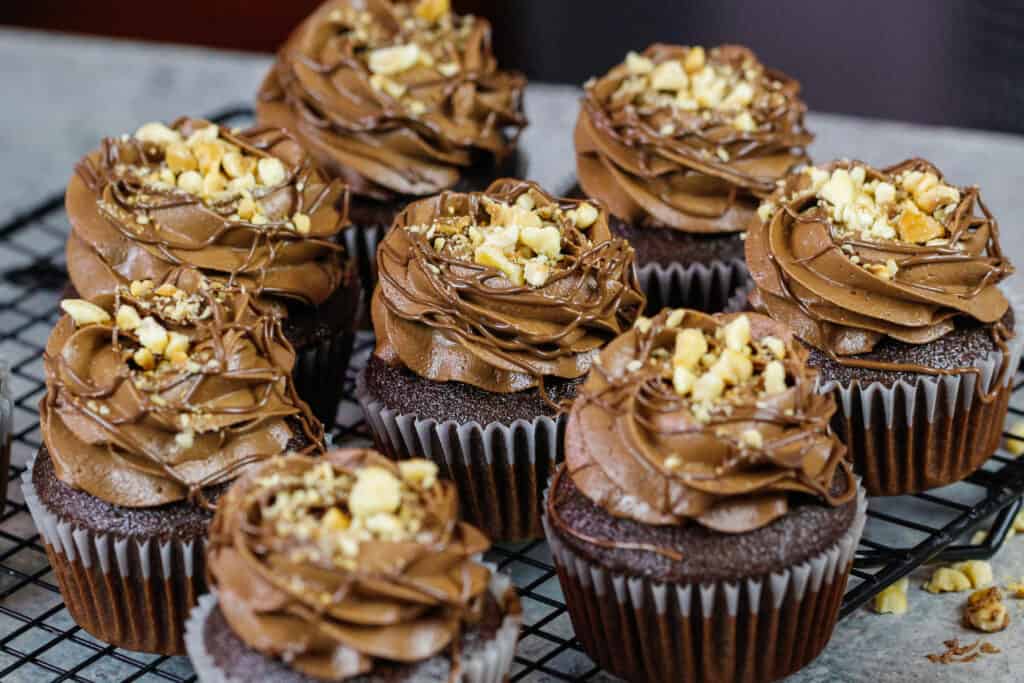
[(954, 62)]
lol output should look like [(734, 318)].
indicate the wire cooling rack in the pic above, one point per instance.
[(39, 641)]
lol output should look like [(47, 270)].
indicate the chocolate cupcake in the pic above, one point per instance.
[(246, 207), (156, 398), (705, 520), (350, 567), (490, 308), (681, 144), (399, 99), (890, 277)]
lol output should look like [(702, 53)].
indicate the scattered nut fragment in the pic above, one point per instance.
[(432, 10), (376, 490), (947, 580), (585, 215), (752, 438), (152, 335), (918, 228), (978, 572), (144, 358), (271, 171), (157, 133), (775, 346), (140, 288), (774, 378), (184, 439), (986, 612), (893, 599), (388, 61), (84, 312), (675, 319), (1015, 438), (302, 223), (690, 347), (335, 520), (1016, 589), (638, 65)]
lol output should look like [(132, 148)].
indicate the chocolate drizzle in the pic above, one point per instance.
[(126, 228), (810, 276), (413, 134), (401, 601), (144, 438), (694, 171), (641, 451), (449, 319)]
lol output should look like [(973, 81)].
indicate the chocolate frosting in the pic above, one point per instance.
[(124, 229), (412, 132), (693, 170), (642, 452), (812, 278), (448, 319), (401, 601), (141, 439)]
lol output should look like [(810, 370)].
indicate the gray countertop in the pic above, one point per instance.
[(63, 94)]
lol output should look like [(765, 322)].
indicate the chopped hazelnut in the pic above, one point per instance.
[(271, 171), (893, 599), (947, 580), (1015, 438), (690, 347), (84, 312), (375, 490), (986, 612), (388, 61), (978, 572)]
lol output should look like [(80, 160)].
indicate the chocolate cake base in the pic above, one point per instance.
[(685, 270), (128, 576), (754, 607), (499, 449), (238, 662)]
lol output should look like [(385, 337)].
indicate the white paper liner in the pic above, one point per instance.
[(624, 642), (929, 432), (500, 469), (489, 665), (147, 589), (696, 285)]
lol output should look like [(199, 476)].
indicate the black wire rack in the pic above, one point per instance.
[(39, 641)]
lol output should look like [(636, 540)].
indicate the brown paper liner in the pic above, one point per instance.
[(757, 629), (319, 374), (132, 593), (500, 470), (911, 437), (704, 287)]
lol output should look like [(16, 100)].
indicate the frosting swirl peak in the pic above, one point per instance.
[(501, 288), (394, 98), (847, 255), (242, 206), (335, 562), (156, 393), (710, 419), (688, 139)]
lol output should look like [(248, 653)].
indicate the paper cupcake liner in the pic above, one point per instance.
[(757, 629), (920, 435), (319, 374), (361, 242), (740, 300), (499, 469), (704, 287), (488, 665), (132, 593)]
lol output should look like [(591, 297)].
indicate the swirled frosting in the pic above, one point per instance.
[(706, 419), (687, 139), (337, 562), (394, 98), (156, 393), (847, 255), (245, 206), (501, 288)]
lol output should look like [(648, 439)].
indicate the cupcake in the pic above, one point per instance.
[(681, 145), (399, 99), (490, 308), (156, 398), (890, 277), (247, 207), (705, 520), (350, 567)]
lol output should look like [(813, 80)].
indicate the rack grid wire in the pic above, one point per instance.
[(39, 641)]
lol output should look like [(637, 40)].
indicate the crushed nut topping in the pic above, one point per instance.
[(959, 577), (330, 513), (712, 369), (697, 84), (425, 35), (213, 169), (520, 240), (985, 611), (914, 209)]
